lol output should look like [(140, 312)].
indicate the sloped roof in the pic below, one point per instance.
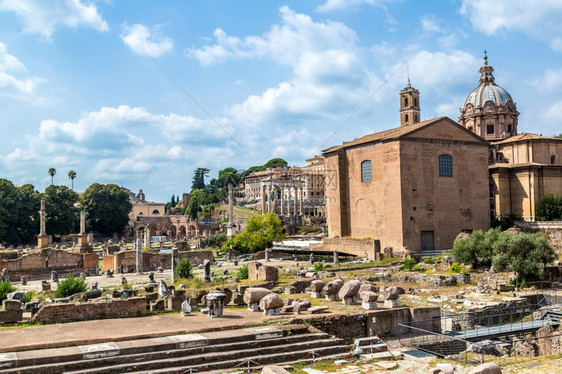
[(397, 133), (526, 136)]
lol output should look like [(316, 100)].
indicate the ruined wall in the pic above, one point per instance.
[(128, 259), (551, 230), (116, 308), (343, 326), (364, 248), (38, 265)]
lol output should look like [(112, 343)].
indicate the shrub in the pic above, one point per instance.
[(549, 208), (409, 263), (505, 221), (477, 249), (6, 288), (215, 240), (29, 296), (184, 269), (242, 272), (318, 266), (69, 286), (429, 261), (457, 268)]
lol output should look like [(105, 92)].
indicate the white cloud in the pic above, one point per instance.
[(554, 113), (540, 19), (550, 81), (43, 18), (429, 23), (333, 5), (144, 41), (11, 84)]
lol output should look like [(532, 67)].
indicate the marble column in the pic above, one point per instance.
[(263, 189), (282, 199)]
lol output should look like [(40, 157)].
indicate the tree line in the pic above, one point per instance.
[(107, 210)]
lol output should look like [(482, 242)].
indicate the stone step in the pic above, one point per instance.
[(256, 361), (210, 358), (45, 360)]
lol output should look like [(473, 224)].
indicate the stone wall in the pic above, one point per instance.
[(127, 259), (551, 230), (38, 265), (364, 248), (65, 312), (343, 326)]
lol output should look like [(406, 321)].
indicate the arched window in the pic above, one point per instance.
[(406, 118), (155, 212), (446, 166), (415, 101), (415, 118), (366, 171), (405, 101)]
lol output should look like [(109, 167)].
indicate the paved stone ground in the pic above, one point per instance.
[(89, 332)]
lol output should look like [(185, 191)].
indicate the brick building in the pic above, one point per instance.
[(414, 187)]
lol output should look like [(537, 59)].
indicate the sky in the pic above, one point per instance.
[(141, 93)]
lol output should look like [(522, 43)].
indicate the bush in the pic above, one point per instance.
[(429, 261), (409, 263), (29, 296), (215, 240), (6, 288), (505, 221), (525, 254), (477, 249), (457, 268), (70, 286), (184, 269), (549, 208), (242, 272)]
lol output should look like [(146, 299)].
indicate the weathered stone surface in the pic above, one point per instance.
[(271, 301), (369, 287), (301, 306), (544, 342), (487, 368), (17, 295), (443, 369), (349, 289), (253, 295), (368, 296), (11, 304), (333, 287), (391, 293), (253, 270), (524, 348), (273, 370), (268, 273), (317, 285)]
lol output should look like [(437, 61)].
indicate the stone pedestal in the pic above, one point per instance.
[(332, 297), (350, 300), (42, 241), (369, 305), (391, 303), (82, 245), (215, 302), (272, 312), (254, 307), (316, 295)]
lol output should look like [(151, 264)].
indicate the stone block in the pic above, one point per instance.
[(11, 304), (253, 270), (10, 316), (391, 303), (173, 303), (253, 295), (271, 301), (487, 368), (157, 305), (268, 273)]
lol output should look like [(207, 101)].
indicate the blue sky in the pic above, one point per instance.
[(141, 93)]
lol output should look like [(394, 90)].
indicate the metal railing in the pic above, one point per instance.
[(441, 345)]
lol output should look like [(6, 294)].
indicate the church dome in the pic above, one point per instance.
[(487, 90)]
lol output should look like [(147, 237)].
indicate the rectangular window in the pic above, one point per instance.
[(366, 171), (490, 129), (446, 166)]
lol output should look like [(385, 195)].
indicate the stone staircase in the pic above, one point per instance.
[(213, 351)]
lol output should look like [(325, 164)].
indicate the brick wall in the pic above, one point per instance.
[(128, 258), (357, 247), (65, 312)]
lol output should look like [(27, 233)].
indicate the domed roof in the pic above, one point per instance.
[(487, 90)]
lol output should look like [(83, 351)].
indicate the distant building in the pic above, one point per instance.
[(143, 208), (523, 167)]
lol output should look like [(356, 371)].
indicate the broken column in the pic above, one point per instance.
[(271, 304), (215, 303), (138, 247), (332, 288), (316, 287), (42, 238), (369, 300), (348, 292), (390, 295), (252, 297)]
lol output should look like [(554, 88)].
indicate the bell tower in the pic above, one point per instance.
[(409, 105)]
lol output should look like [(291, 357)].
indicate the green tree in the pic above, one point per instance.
[(108, 208), (52, 172), (19, 217), (62, 214), (276, 163), (549, 208), (505, 221), (184, 269), (6, 288), (216, 240), (72, 175), (524, 253), (558, 136), (477, 249), (260, 233), (198, 181), (194, 205), (228, 176)]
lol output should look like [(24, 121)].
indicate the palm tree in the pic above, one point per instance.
[(72, 175), (52, 172)]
